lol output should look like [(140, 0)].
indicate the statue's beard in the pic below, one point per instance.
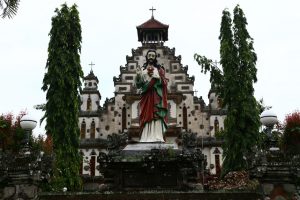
[(151, 61)]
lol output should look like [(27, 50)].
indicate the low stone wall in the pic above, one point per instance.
[(155, 195)]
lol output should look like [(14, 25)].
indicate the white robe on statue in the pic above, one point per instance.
[(153, 132)]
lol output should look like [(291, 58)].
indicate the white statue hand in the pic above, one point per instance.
[(138, 70)]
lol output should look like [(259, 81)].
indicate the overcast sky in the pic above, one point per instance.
[(109, 33)]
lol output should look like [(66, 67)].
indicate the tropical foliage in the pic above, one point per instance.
[(11, 133), (291, 134), (9, 8), (62, 82), (234, 85), (12, 136)]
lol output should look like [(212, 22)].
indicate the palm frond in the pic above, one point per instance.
[(9, 8)]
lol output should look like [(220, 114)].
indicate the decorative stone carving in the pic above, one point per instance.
[(23, 171), (116, 142), (189, 140), (122, 69)]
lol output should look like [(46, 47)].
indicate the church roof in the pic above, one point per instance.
[(153, 24), (91, 76)]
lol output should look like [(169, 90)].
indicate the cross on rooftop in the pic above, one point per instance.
[(152, 9), (91, 65), (216, 63), (195, 92)]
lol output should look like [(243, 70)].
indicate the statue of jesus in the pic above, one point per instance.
[(153, 104)]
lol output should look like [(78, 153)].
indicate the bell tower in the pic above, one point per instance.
[(90, 107), (90, 93), (152, 32)]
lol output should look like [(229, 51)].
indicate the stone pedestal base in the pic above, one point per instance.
[(150, 166)]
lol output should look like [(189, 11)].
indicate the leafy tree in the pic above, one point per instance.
[(234, 84), (12, 136), (62, 84), (9, 8), (291, 134)]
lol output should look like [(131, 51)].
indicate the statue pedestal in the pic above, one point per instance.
[(150, 166), (144, 148), (148, 146)]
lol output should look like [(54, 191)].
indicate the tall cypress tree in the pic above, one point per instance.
[(62, 82), (234, 84)]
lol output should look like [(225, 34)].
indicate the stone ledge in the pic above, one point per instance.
[(155, 195)]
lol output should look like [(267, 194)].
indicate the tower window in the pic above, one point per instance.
[(124, 118), (82, 130), (218, 165), (169, 110), (216, 125), (89, 104), (122, 88), (90, 84), (93, 128), (184, 113), (128, 77), (81, 163), (220, 103), (92, 165), (178, 78)]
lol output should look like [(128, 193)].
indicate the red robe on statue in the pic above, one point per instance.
[(153, 104)]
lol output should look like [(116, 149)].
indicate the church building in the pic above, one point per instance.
[(119, 114)]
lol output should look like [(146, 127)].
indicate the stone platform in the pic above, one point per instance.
[(157, 166), (155, 195)]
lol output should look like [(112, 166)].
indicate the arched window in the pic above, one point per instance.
[(220, 102), (89, 104), (81, 163), (124, 120), (216, 125), (93, 165), (93, 129), (217, 161), (169, 111), (82, 129), (184, 113), (218, 166)]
